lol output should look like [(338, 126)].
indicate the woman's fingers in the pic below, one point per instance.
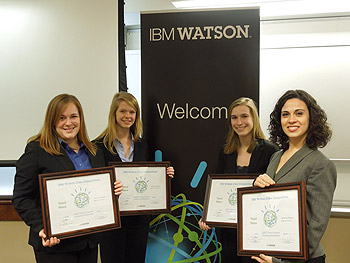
[(263, 181), (170, 171), (118, 188)]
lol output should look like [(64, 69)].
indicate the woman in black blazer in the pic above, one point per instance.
[(245, 151), (61, 145), (122, 142)]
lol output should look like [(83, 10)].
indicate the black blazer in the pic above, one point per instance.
[(140, 152), (26, 195), (258, 161)]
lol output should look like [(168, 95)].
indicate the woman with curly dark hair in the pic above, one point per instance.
[(318, 134), (299, 126)]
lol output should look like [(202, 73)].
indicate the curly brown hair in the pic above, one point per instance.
[(319, 132)]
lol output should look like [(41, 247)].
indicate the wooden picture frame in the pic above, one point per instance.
[(79, 202), (272, 221), (147, 187)]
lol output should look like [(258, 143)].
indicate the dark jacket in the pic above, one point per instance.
[(140, 152), (258, 161), (26, 194)]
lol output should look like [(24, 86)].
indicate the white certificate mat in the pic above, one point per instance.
[(220, 208), (272, 220), (275, 226), (80, 202), (146, 188)]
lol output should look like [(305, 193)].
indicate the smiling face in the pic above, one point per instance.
[(125, 116), (242, 121), (295, 120), (68, 124)]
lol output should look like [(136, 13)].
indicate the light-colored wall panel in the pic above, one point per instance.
[(14, 242), (52, 47), (314, 55), (336, 240)]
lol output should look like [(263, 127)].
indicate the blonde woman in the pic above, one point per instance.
[(122, 141), (246, 151)]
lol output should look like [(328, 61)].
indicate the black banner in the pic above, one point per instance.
[(194, 64)]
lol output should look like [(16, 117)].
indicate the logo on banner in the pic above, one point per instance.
[(199, 33)]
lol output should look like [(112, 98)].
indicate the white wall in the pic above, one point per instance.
[(51, 47), (314, 55), (133, 73)]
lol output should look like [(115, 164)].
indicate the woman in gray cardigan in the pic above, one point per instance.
[(299, 126)]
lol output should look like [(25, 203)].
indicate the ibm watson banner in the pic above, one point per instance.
[(193, 65)]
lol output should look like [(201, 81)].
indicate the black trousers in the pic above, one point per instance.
[(128, 244), (87, 255)]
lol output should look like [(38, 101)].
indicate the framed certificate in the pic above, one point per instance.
[(79, 202), (146, 187), (220, 203), (272, 221)]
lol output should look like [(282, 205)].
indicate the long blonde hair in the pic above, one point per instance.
[(48, 137), (232, 139), (109, 135)]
